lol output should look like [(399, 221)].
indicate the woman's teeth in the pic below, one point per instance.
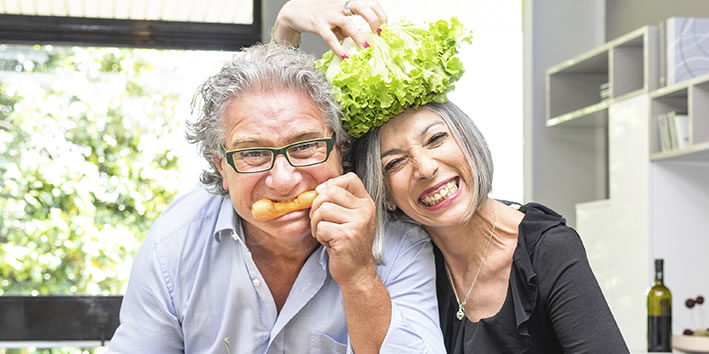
[(440, 195)]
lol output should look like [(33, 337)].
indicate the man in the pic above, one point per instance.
[(210, 277)]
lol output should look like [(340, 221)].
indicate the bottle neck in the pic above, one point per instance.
[(659, 277)]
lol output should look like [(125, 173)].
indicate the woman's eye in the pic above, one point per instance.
[(391, 165), (437, 138)]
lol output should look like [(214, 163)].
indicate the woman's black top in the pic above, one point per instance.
[(553, 303)]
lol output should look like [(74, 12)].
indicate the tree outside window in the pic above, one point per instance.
[(91, 151)]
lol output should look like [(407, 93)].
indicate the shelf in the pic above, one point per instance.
[(676, 90), (673, 89), (628, 95), (594, 116), (697, 152), (634, 62), (691, 97), (576, 84), (581, 87), (699, 110)]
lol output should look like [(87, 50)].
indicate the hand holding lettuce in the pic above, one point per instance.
[(407, 66)]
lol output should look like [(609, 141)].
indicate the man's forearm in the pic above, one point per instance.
[(368, 313)]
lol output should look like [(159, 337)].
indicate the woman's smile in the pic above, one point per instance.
[(440, 195)]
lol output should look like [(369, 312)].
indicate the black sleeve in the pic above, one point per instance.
[(573, 300)]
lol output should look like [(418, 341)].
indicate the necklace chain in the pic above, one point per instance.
[(461, 305)]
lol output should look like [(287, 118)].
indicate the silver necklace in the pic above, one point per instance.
[(461, 305)]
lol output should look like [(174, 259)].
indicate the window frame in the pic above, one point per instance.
[(58, 318), (83, 31)]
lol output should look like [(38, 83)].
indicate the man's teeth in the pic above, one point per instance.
[(441, 194)]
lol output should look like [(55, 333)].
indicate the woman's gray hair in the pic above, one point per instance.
[(368, 164), (259, 67)]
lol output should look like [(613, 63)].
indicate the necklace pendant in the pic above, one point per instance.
[(460, 314)]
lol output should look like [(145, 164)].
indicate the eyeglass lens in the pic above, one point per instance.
[(301, 154)]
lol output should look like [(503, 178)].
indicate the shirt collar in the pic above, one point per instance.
[(324, 257), (228, 222)]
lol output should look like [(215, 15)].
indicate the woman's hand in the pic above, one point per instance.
[(327, 19)]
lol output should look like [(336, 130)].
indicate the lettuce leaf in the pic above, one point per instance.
[(407, 66)]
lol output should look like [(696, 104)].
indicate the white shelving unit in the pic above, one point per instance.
[(627, 64), (654, 204), (690, 96), (678, 212), (573, 90)]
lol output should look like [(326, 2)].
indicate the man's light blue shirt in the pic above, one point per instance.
[(194, 285)]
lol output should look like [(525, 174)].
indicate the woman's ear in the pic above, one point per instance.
[(389, 205)]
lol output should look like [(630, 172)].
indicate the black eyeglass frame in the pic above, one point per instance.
[(329, 144)]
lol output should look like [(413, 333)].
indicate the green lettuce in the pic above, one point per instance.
[(408, 65)]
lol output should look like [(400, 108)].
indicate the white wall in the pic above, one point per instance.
[(556, 30), (623, 16), (679, 225)]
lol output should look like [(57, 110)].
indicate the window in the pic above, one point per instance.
[(92, 147), (92, 152)]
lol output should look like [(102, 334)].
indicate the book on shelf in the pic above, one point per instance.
[(662, 136), (673, 130), (605, 91), (681, 123)]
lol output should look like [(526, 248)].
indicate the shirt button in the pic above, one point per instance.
[(256, 282)]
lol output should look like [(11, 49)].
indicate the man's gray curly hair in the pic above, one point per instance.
[(259, 67)]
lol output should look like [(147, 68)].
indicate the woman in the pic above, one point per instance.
[(510, 278)]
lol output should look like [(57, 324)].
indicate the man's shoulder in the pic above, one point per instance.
[(197, 206), (406, 248), (182, 233), (400, 236), (403, 231)]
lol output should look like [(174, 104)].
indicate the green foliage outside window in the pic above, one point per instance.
[(85, 166)]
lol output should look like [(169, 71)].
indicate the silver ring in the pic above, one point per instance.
[(348, 11)]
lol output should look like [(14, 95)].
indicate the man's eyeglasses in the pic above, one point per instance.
[(262, 159)]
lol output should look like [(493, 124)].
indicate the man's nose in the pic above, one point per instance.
[(282, 177)]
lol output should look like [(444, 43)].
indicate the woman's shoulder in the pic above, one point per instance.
[(550, 244), (542, 227)]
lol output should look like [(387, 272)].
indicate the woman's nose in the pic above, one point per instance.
[(425, 166)]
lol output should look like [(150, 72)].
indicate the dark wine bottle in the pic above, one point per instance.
[(659, 313)]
